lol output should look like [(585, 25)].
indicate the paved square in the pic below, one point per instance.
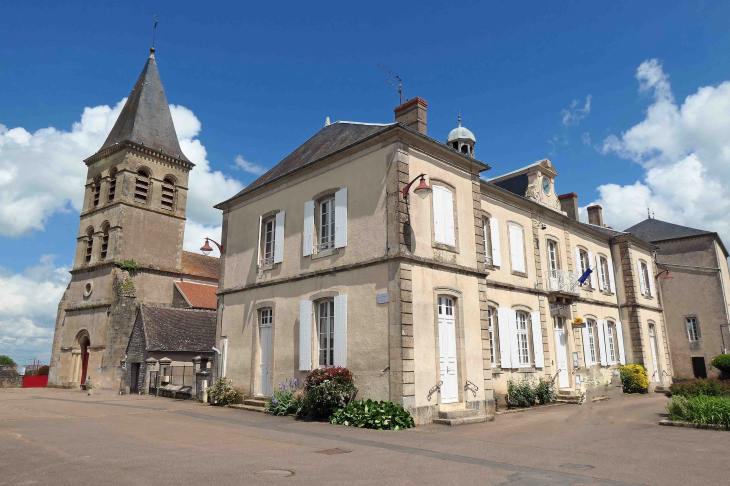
[(64, 437)]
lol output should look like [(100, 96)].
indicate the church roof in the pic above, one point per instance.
[(145, 118), (172, 329), (656, 230), (200, 265)]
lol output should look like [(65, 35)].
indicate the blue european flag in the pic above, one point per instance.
[(583, 277)]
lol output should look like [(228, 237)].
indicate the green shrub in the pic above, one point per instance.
[(526, 393), (545, 391), (6, 360), (700, 410), (326, 390), (221, 392), (286, 399), (129, 265), (722, 363), (368, 414), (634, 379), (709, 387)]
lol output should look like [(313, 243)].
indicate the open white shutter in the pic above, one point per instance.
[(620, 338), (279, 238), (341, 218), (305, 335), (505, 358), (602, 344), (258, 244), (576, 266), (601, 276), (537, 340), (642, 282), (586, 346), (496, 253), (224, 360), (611, 279), (439, 230), (517, 249), (340, 352), (514, 352), (308, 230), (591, 264), (651, 281), (448, 204)]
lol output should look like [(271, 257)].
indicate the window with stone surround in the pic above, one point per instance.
[(493, 337), (591, 327), (326, 333), (523, 342), (693, 329)]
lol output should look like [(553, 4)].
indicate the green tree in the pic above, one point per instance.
[(6, 360)]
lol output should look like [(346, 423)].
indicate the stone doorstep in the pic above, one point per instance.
[(457, 413), (250, 408), (255, 402), (476, 419)]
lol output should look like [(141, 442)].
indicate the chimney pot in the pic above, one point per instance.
[(412, 114), (569, 204), (595, 215)]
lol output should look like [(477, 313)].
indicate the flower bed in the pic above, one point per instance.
[(701, 409), (527, 392), (368, 414)]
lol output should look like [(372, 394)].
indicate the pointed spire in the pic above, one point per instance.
[(145, 118)]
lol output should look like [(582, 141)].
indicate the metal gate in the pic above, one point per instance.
[(154, 375)]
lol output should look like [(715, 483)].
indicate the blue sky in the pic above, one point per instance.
[(260, 78)]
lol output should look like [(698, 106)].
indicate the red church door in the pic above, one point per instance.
[(84, 359)]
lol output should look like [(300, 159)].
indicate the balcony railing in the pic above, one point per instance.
[(562, 281)]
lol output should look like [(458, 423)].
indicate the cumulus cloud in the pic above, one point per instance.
[(249, 167), (685, 151), (573, 115), (195, 235)]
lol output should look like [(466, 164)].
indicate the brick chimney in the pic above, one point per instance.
[(595, 215), (569, 204), (412, 114)]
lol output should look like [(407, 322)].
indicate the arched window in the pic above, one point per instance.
[(112, 185), (97, 190), (168, 193), (104, 241), (89, 244), (142, 186)]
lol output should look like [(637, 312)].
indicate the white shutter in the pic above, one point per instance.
[(611, 278), (537, 340), (448, 202), (601, 276), (577, 262), (496, 253), (651, 281), (602, 345), (258, 243), (279, 238), (341, 218), (224, 350), (586, 345), (504, 345), (642, 282), (305, 335), (517, 249), (590, 262), (620, 338), (439, 229), (308, 230), (514, 352), (340, 352)]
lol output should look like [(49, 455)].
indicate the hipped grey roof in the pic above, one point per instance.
[(656, 230), (145, 118), (172, 329)]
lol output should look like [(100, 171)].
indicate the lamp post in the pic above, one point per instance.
[(206, 248)]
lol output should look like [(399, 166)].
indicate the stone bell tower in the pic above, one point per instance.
[(130, 239)]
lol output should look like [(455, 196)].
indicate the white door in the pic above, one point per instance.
[(652, 341), (561, 352), (265, 361), (447, 349)]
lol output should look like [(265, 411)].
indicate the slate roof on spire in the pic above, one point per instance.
[(145, 118)]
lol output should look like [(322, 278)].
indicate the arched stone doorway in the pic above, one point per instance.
[(84, 358), (81, 356)]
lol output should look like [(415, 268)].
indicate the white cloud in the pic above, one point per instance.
[(685, 151), (249, 167), (586, 137), (195, 235), (573, 115)]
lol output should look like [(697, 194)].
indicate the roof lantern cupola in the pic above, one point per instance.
[(461, 139)]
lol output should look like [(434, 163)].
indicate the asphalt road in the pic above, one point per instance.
[(64, 437)]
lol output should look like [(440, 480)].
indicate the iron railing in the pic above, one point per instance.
[(562, 281)]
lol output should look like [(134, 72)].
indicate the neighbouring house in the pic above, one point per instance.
[(379, 248), (168, 346), (695, 283)]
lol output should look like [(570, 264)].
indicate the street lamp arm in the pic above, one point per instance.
[(207, 249), (408, 187)]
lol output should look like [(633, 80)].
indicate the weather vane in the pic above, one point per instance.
[(154, 31)]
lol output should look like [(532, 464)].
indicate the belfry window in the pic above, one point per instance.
[(142, 186), (168, 193), (97, 190), (89, 244), (104, 241), (112, 185)]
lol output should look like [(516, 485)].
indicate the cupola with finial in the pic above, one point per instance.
[(461, 139)]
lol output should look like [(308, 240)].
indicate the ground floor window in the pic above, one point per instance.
[(591, 324), (610, 328), (326, 332), (523, 348), (492, 316)]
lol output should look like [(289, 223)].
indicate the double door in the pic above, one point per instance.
[(447, 350)]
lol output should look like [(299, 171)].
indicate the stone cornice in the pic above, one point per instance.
[(142, 150), (144, 207)]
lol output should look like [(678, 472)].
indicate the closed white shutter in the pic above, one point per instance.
[(305, 335), (449, 232), (651, 281), (514, 351), (537, 340), (279, 238), (258, 243), (504, 344), (496, 253), (439, 231), (577, 270), (590, 264), (517, 249), (611, 278), (601, 276), (308, 230), (340, 352), (586, 346), (642, 281), (341, 218), (620, 338), (602, 345)]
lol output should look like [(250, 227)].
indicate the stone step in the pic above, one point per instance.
[(458, 413), (476, 419), (255, 402), (249, 408), (568, 399)]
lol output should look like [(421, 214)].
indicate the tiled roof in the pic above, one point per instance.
[(201, 265), (172, 329), (656, 230), (199, 296)]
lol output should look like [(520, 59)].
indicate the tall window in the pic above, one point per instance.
[(327, 224), (97, 190), (591, 325), (112, 185), (693, 329), (487, 242), (645, 274), (584, 265), (492, 316), (104, 241), (267, 318), (606, 287), (269, 230), (89, 244), (444, 228), (552, 255), (523, 348), (168, 193), (142, 186), (326, 332), (610, 327)]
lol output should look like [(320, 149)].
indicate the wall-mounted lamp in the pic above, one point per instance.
[(422, 189), (665, 276), (206, 248)]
